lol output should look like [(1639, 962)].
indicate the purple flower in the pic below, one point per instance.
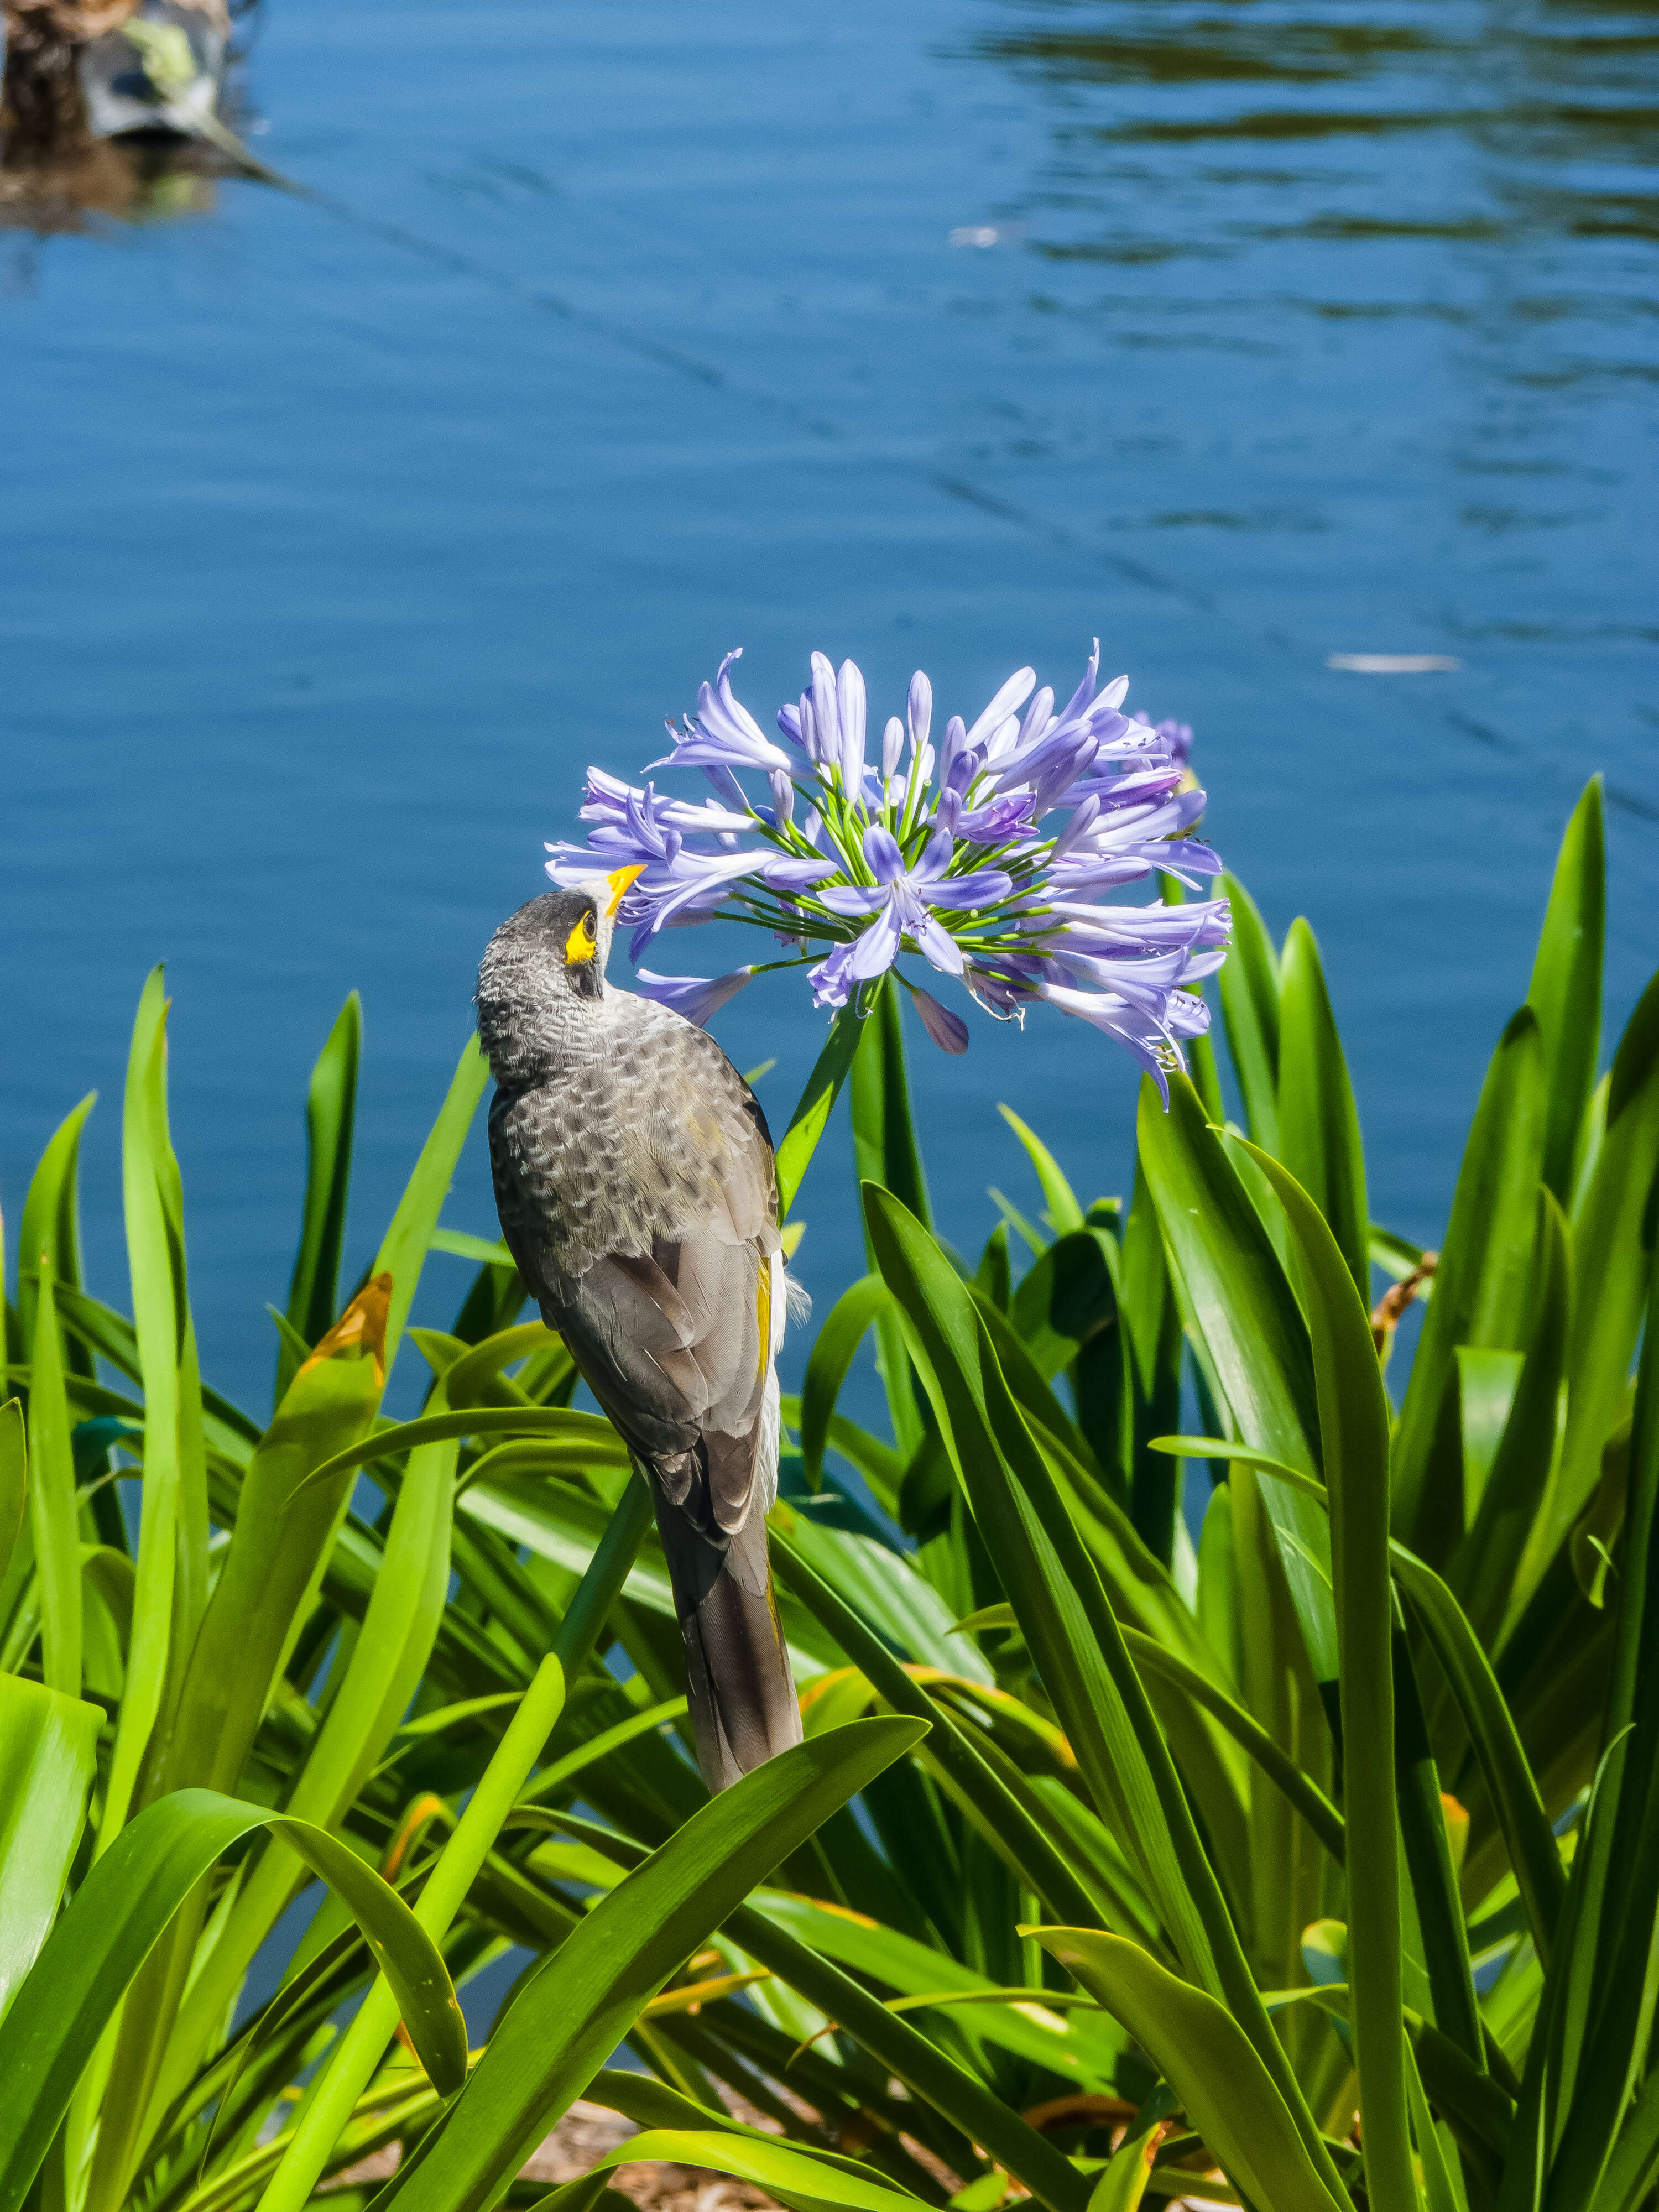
[(1176, 739), (948, 1031), (696, 996), (899, 899), (723, 733), (991, 862)]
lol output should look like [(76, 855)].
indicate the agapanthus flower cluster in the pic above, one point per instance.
[(989, 855)]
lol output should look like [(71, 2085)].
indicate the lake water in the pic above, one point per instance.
[(340, 529)]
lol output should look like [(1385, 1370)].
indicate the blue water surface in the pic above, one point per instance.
[(341, 527)]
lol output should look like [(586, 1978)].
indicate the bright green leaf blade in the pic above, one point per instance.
[(1218, 1448), (1565, 990), (1533, 1853), (13, 1479), (1482, 1288), (569, 2019), (53, 1516), (884, 1147), (795, 2176), (1318, 1121), (1064, 1214), (48, 1747), (1611, 1251), (1065, 1301), (833, 1350), (407, 1238), (1256, 1340), (1209, 2062), (595, 1438), (1006, 1821), (1121, 2187), (487, 1252), (330, 1111), (1485, 1569), (812, 1110), (1250, 1016), (1353, 1422), (115, 1919), (1067, 1620), (48, 1226), (1314, 1807)]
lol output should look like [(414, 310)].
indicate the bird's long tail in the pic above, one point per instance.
[(741, 1695)]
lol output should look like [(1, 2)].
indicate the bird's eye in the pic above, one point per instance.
[(583, 942)]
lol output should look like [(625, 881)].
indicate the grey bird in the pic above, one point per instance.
[(636, 1189)]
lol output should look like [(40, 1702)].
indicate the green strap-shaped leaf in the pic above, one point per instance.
[(1353, 1426), (1253, 1331), (885, 1148), (1064, 1214), (1065, 1301), (331, 1113), (572, 2015), (957, 2095), (48, 1224), (1067, 1621), (1482, 1288), (1534, 1852), (14, 1479), (1611, 1249), (834, 1349), (1250, 1014), (651, 2104), (48, 1747), (1006, 1822), (816, 1102), (590, 1431), (1484, 1569), (116, 1918), (1309, 1799), (1211, 2065), (926, 2070), (404, 1248), (1121, 2187), (1318, 1121), (53, 1516), (796, 2177), (1566, 991)]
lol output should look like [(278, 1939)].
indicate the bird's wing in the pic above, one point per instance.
[(668, 1287)]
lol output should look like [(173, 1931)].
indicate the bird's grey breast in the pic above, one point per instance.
[(643, 1133)]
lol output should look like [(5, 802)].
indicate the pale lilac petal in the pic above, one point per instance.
[(852, 899), (1007, 700), (694, 997), (919, 714), (882, 854), (935, 856), (892, 748), (795, 874), (826, 714), (850, 706), (875, 951), (984, 887), (935, 943)]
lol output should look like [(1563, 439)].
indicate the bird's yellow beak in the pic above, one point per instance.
[(618, 880)]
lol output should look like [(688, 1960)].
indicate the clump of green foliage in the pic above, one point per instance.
[(1308, 1866)]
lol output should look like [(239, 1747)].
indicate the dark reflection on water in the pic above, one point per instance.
[(349, 527)]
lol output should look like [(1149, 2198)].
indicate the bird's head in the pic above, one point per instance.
[(543, 968)]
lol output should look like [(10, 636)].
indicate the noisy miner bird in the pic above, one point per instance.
[(637, 1192)]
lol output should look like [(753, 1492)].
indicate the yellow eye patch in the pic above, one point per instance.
[(583, 941)]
